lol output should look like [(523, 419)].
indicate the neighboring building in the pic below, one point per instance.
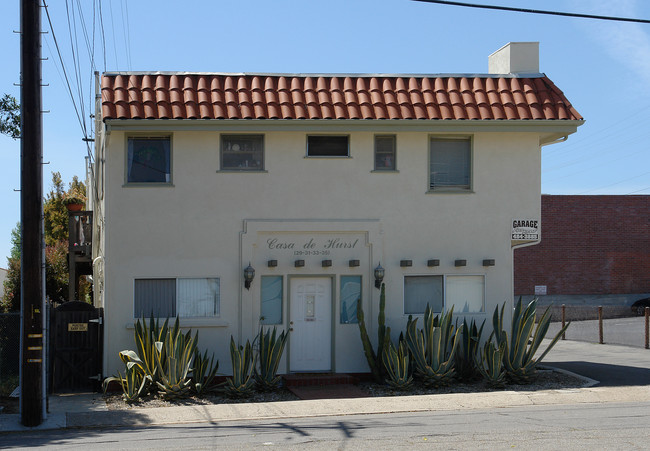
[(595, 250), (3, 277), (314, 181)]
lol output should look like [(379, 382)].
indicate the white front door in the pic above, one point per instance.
[(310, 311)]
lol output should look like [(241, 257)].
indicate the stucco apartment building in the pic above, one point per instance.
[(595, 250), (233, 201)]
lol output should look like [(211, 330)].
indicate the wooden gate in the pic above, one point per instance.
[(76, 331)]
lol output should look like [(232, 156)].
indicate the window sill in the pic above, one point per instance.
[(189, 322), (327, 157), (148, 185), (243, 171), (450, 191), (389, 171)]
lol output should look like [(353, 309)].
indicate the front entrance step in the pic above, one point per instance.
[(316, 379)]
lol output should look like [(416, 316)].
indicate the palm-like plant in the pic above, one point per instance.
[(270, 349), (524, 340)]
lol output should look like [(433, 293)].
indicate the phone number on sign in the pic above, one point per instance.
[(311, 252)]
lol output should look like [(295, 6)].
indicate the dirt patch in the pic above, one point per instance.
[(546, 380)]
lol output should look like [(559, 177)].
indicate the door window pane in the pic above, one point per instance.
[(465, 293), (350, 292), (420, 291), (271, 299), (148, 160)]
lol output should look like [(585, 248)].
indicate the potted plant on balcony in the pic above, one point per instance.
[(74, 200)]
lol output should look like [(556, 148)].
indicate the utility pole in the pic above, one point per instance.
[(31, 211)]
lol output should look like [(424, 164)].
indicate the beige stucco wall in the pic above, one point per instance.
[(208, 224)]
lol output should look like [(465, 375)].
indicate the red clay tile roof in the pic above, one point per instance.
[(219, 96)]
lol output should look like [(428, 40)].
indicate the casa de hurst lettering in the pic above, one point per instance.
[(316, 245)]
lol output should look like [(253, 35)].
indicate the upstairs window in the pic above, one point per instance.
[(328, 146), (242, 152), (385, 153), (148, 160), (450, 164)]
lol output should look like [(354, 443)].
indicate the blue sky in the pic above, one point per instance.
[(602, 67)]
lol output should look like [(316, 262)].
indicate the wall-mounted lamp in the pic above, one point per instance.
[(379, 275), (405, 263), (431, 263), (353, 263), (460, 263), (249, 274), (488, 262), (299, 263), (326, 263), (272, 263)]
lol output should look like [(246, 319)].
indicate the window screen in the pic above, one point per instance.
[(385, 153), (465, 293), (328, 146), (350, 292), (450, 161), (271, 300), (420, 291), (148, 160)]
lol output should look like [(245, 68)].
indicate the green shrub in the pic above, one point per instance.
[(398, 365), (243, 359), (383, 336), (270, 349), (468, 348)]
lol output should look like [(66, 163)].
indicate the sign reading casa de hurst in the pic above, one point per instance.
[(525, 230), (311, 244)]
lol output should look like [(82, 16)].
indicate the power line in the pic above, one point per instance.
[(535, 11)]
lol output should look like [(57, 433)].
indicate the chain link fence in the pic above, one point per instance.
[(9, 351)]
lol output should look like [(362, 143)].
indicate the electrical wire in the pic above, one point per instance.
[(535, 11)]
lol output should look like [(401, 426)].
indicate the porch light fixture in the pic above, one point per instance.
[(488, 262), (379, 275), (272, 263), (431, 263), (249, 274), (353, 263), (460, 263), (405, 263)]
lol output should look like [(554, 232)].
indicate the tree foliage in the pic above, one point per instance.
[(9, 117), (56, 248)]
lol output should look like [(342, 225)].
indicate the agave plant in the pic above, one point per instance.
[(243, 360), (383, 337), (433, 347), (174, 358), (521, 345), (470, 339), (398, 365), (135, 382), (145, 339), (204, 372), (270, 348), (489, 362)]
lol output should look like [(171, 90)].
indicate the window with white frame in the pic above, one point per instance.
[(182, 297), (420, 291), (242, 152), (148, 160), (466, 294), (328, 146), (450, 165), (385, 153)]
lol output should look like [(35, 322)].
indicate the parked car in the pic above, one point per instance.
[(639, 306)]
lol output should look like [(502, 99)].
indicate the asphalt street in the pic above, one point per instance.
[(596, 426)]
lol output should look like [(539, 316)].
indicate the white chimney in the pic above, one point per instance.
[(515, 58)]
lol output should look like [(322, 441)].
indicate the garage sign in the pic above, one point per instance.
[(525, 230)]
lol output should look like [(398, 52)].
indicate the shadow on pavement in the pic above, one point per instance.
[(607, 374)]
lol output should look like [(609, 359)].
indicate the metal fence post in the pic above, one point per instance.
[(563, 320), (600, 324), (647, 329)]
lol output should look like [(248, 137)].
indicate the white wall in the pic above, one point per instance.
[(197, 227)]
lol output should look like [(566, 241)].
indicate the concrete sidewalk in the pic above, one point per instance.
[(89, 410)]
